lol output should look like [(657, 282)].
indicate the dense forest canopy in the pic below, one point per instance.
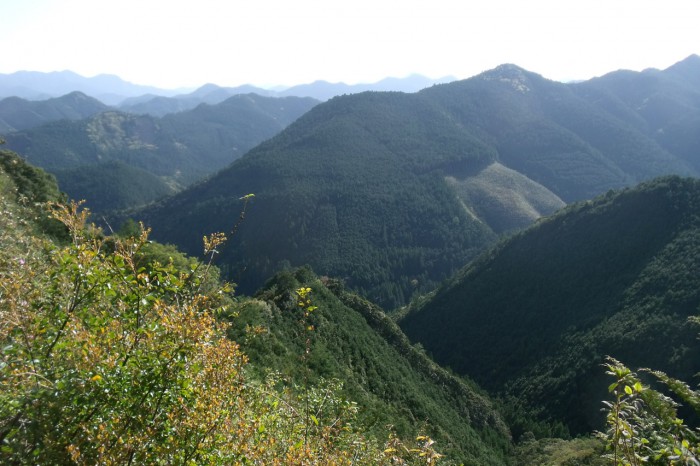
[(534, 317)]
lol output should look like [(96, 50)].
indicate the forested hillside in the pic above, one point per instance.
[(350, 339), (663, 104), (355, 188), (534, 318), (168, 153), (393, 192)]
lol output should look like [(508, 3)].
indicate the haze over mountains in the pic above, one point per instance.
[(114, 91)]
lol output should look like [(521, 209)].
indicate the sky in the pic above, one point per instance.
[(184, 44)]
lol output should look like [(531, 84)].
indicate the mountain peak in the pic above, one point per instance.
[(518, 78), (689, 67), (208, 87)]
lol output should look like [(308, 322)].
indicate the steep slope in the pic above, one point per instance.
[(505, 199), (17, 114), (179, 148), (534, 317), (686, 71), (393, 382), (22, 180)]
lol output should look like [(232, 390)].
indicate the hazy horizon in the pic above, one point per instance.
[(272, 43)]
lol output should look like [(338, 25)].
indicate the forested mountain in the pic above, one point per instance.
[(663, 104), (392, 192), (168, 152), (113, 185), (571, 141), (534, 318), (355, 188), (384, 194), (18, 114)]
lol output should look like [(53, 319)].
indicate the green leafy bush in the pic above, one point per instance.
[(643, 424)]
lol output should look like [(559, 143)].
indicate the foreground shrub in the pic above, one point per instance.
[(109, 358)]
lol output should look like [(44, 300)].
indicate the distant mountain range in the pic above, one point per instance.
[(319, 90), (393, 192), (110, 89), (113, 91)]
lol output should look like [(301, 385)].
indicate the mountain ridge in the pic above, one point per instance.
[(17, 114)]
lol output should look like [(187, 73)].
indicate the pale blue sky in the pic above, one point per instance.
[(284, 42)]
